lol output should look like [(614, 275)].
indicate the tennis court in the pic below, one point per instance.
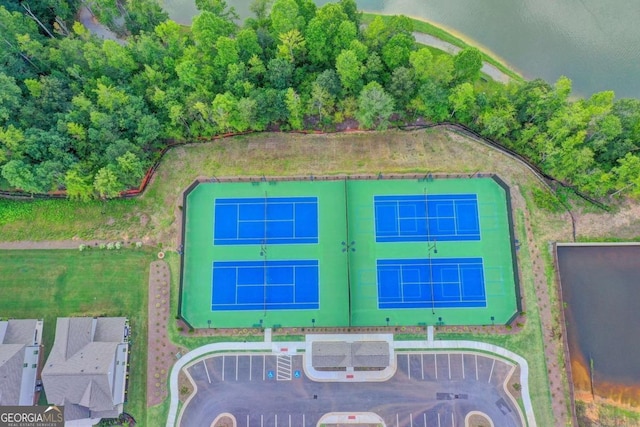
[(431, 283), (339, 253), (417, 218), (270, 220), (266, 285)]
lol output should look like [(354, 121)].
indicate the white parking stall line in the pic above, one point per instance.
[(491, 373), (422, 364), (476, 356), (261, 420), (453, 421), (449, 363), (438, 419), (222, 368), (206, 370), (397, 420), (264, 366), (247, 420), (237, 359), (289, 420), (424, 416), (435, 363), (250, 363), (408, 366), (411, 419), (462, 366), (304, 424), (276, 420)]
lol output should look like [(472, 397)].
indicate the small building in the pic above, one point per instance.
[(87, 368), (20, 353), (342, 355)]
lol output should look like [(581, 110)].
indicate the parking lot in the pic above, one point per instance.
[(428, 389)]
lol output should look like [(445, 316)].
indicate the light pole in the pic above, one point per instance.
[(313, 323), (387, 321), (209, 323)]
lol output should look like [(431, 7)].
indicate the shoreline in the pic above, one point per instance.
[(455, 38)]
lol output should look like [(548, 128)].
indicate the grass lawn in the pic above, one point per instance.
[(64, 283)]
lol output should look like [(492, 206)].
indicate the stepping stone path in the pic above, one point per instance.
[(161, 352)]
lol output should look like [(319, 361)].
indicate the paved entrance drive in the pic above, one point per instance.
[(428, 389)]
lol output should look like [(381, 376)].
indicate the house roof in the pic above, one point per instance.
[(18, 331), (11, 366), (16, 335), (81, 366)]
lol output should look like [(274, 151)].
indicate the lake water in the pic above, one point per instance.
[(601, 294), (596, 43)]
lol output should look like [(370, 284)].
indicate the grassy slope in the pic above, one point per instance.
[(61, 283), (425, 27)]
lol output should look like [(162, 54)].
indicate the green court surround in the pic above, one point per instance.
[(347, 272)]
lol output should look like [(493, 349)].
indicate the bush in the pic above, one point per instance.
[(546, 200)]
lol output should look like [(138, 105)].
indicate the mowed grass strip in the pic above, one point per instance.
[(68, 283)]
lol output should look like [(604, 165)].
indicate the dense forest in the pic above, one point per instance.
[(89, 116)]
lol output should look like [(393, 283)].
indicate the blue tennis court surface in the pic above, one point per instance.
[(417, 218), (435, 283), (266, 220), (260, 285)]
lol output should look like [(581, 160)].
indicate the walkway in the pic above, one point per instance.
[(490, 70), (49, 244), (91, 23)]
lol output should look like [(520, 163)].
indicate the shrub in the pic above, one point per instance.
[(546, 200)]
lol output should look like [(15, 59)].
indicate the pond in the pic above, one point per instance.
[(593, 42), (601, 295)]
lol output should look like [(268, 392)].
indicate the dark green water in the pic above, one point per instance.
[(601, 292), (594, 42)]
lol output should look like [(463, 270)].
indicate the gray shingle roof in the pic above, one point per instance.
[(370, 354), (19, 331), (341, 354), (17, 336), (81, 366), (330, 354), (11, 359)]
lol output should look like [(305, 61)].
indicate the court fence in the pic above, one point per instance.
[(426, 177)]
